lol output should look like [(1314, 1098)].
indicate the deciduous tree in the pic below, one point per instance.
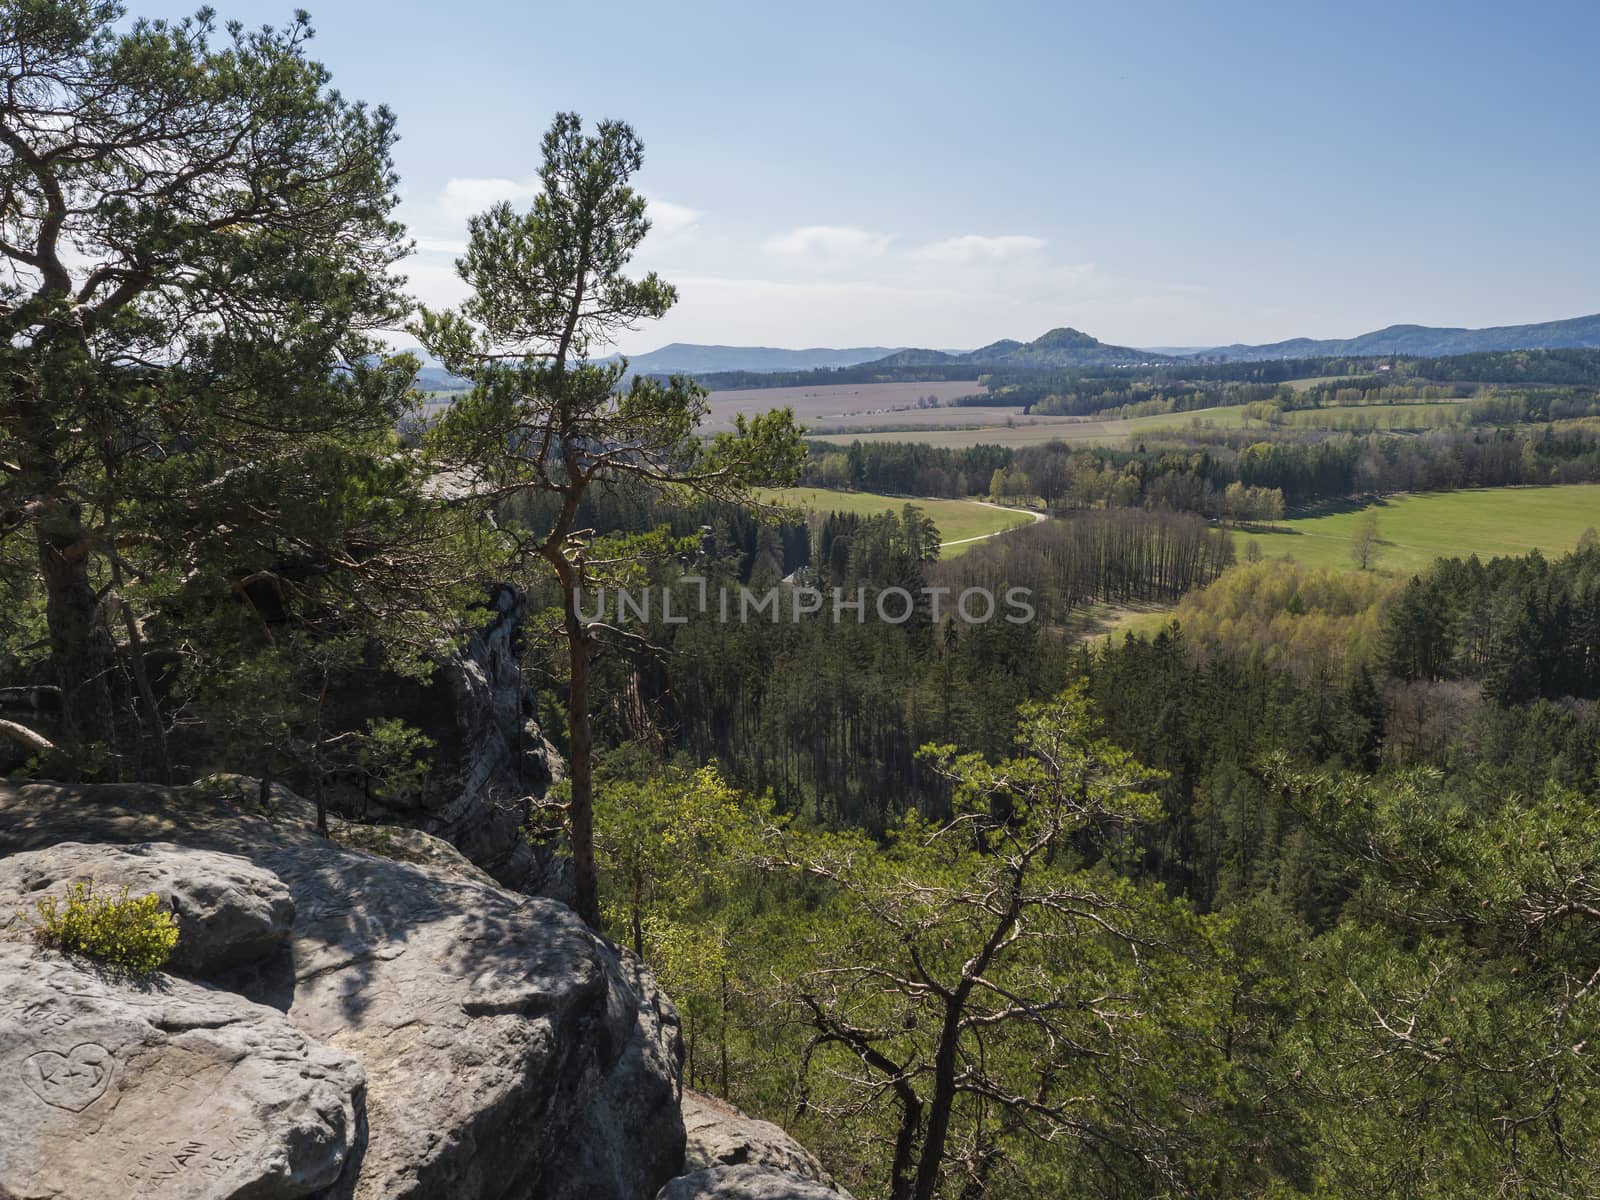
[(980, 984), (1364, 541)]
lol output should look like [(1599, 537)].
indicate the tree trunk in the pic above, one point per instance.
[(638, 913), (905, 1145), (147, 694), (81, 649), (722, 1034), (318, 782), (24, 736), (940, 1103), (585, 884), (82, 653), (141, 675), (689, 1042)]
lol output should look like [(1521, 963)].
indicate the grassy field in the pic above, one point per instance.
[(1073, 430), (1005, 428), (958, 520), (1229, 416), (1311, 381), (1414, 530), (1097, 622), (845, 404), (911, 423)]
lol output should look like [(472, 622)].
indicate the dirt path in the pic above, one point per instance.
[(982, 537)]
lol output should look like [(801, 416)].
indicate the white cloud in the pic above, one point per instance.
[(975, 247), (427, 245), (464, 198), (828, 284), (934, 306), (432, 281), (668, 219), (1067, 275), (828, 245)]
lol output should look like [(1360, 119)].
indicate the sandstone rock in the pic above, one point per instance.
[(745, 1183), (509, 1052), (488, 755), (487, 1022), (719, 1135), (228, 911), (170, 1090), (405, 844), (643, 1084)]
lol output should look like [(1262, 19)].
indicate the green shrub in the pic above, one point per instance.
[(134, 935)]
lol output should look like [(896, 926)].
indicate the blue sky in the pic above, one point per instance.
[(1154, 172)]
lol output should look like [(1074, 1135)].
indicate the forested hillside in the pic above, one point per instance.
[(1294, 893)]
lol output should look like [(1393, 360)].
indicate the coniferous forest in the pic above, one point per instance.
[(1122, 860)]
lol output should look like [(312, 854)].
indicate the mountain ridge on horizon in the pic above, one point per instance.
[(1067, 347), (1429, 341), (690, 358)]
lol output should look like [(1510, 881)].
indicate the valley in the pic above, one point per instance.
[(536, 670)]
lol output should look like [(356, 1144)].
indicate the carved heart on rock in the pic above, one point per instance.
[(73, 1080)]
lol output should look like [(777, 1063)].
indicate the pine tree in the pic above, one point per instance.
[(549, 288), (198, 238)]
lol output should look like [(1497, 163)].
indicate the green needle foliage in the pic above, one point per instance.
[(1449, 1050), (991, 990), (674, 849), (978, 1005), (197, 438), (549, 288)]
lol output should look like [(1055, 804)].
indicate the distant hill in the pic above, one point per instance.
[(1058, 348), (437, 379), (681, 358), (744, 366), (1424, 341), (687, 359), (1074, 348)]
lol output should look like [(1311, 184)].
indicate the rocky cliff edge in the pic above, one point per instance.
[(370, 1016)]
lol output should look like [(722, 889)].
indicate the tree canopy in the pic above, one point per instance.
[(197, 241)]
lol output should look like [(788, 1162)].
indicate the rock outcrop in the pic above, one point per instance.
[(507, 1051), (719, 1135), (228, 911), (488, 755), (745, 1183), (643, 1083), (171, 1090)]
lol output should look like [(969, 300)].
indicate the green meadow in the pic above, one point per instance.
[(1415, 530), (958, 520)]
